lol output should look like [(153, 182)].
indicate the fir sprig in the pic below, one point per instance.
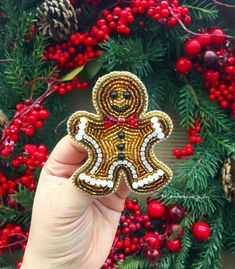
[(209, 254), (132, 54), (134, 263), (202, 10)]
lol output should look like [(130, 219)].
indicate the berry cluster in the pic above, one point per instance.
[(193, 138), (32, 157), (64, 87), (212, 54), (11, 237), (83, 46), (165, 12), (147, 233), (27, 124), (6, 185)]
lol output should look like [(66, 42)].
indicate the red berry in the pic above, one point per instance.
[(174, 245), (175, 213), (172, 228), (43, 114), (183, 65), (192, 47), (218, 36), (201, 230), (204, 39), (224, 104), (187, 20), (152, 255), (156, 209), (152, 241), (211, 75)]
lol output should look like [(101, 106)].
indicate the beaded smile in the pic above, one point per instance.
[(120, 138)]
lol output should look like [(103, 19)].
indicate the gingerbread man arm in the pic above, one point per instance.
[(79, 124), (160, 123)]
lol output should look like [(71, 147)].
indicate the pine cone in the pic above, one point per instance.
[(57, 19), (3, 121), (228, 178)]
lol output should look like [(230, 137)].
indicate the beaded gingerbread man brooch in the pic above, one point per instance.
[(120, 138)]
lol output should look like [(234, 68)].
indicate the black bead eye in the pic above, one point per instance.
[(127, 95), (114, 95)]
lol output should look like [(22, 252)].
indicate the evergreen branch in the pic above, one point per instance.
[(198, 203), (132, 54), (229, 241), (209, 254), (186, 105), (167, 262), (197, 170), (201, 10), (8, 214), (216, 126), (134, 263), (185, 248), (25, 197)]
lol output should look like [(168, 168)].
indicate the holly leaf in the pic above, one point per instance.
[(73, 73), (93, 67)]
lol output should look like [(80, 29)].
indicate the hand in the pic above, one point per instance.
[(70, 229)]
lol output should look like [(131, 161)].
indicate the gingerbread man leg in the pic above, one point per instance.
[(93, 183)]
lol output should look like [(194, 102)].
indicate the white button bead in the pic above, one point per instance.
[(145, 180), (155, 176), (160, 172), (135, 176), (140, 183), (83, 120), (154, 119), (78, 137), (98, 182), (104, 183), (161, 136), (82, 176), (81, 126), (110, 184), (87, 179), (135, 185), (93, 181)]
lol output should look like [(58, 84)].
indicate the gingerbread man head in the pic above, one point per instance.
[(119, 95)]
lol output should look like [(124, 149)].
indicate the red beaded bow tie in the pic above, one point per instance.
[(132, 120)]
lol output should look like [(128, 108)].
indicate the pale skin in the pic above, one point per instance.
[(70, 229)]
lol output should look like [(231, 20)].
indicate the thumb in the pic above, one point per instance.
[(55, 179)]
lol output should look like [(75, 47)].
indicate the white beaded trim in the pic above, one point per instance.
[(81, 131), (157, 133), (125, 162), (94, 181), (82, 135), (148, 179)]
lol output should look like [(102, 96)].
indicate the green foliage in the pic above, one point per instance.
[(187, 104), (167, 262), (8, 214), (209, 253), (133, 54), (134, 263), (229, 223), (24, 197), (202, 9), (186, 241)]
